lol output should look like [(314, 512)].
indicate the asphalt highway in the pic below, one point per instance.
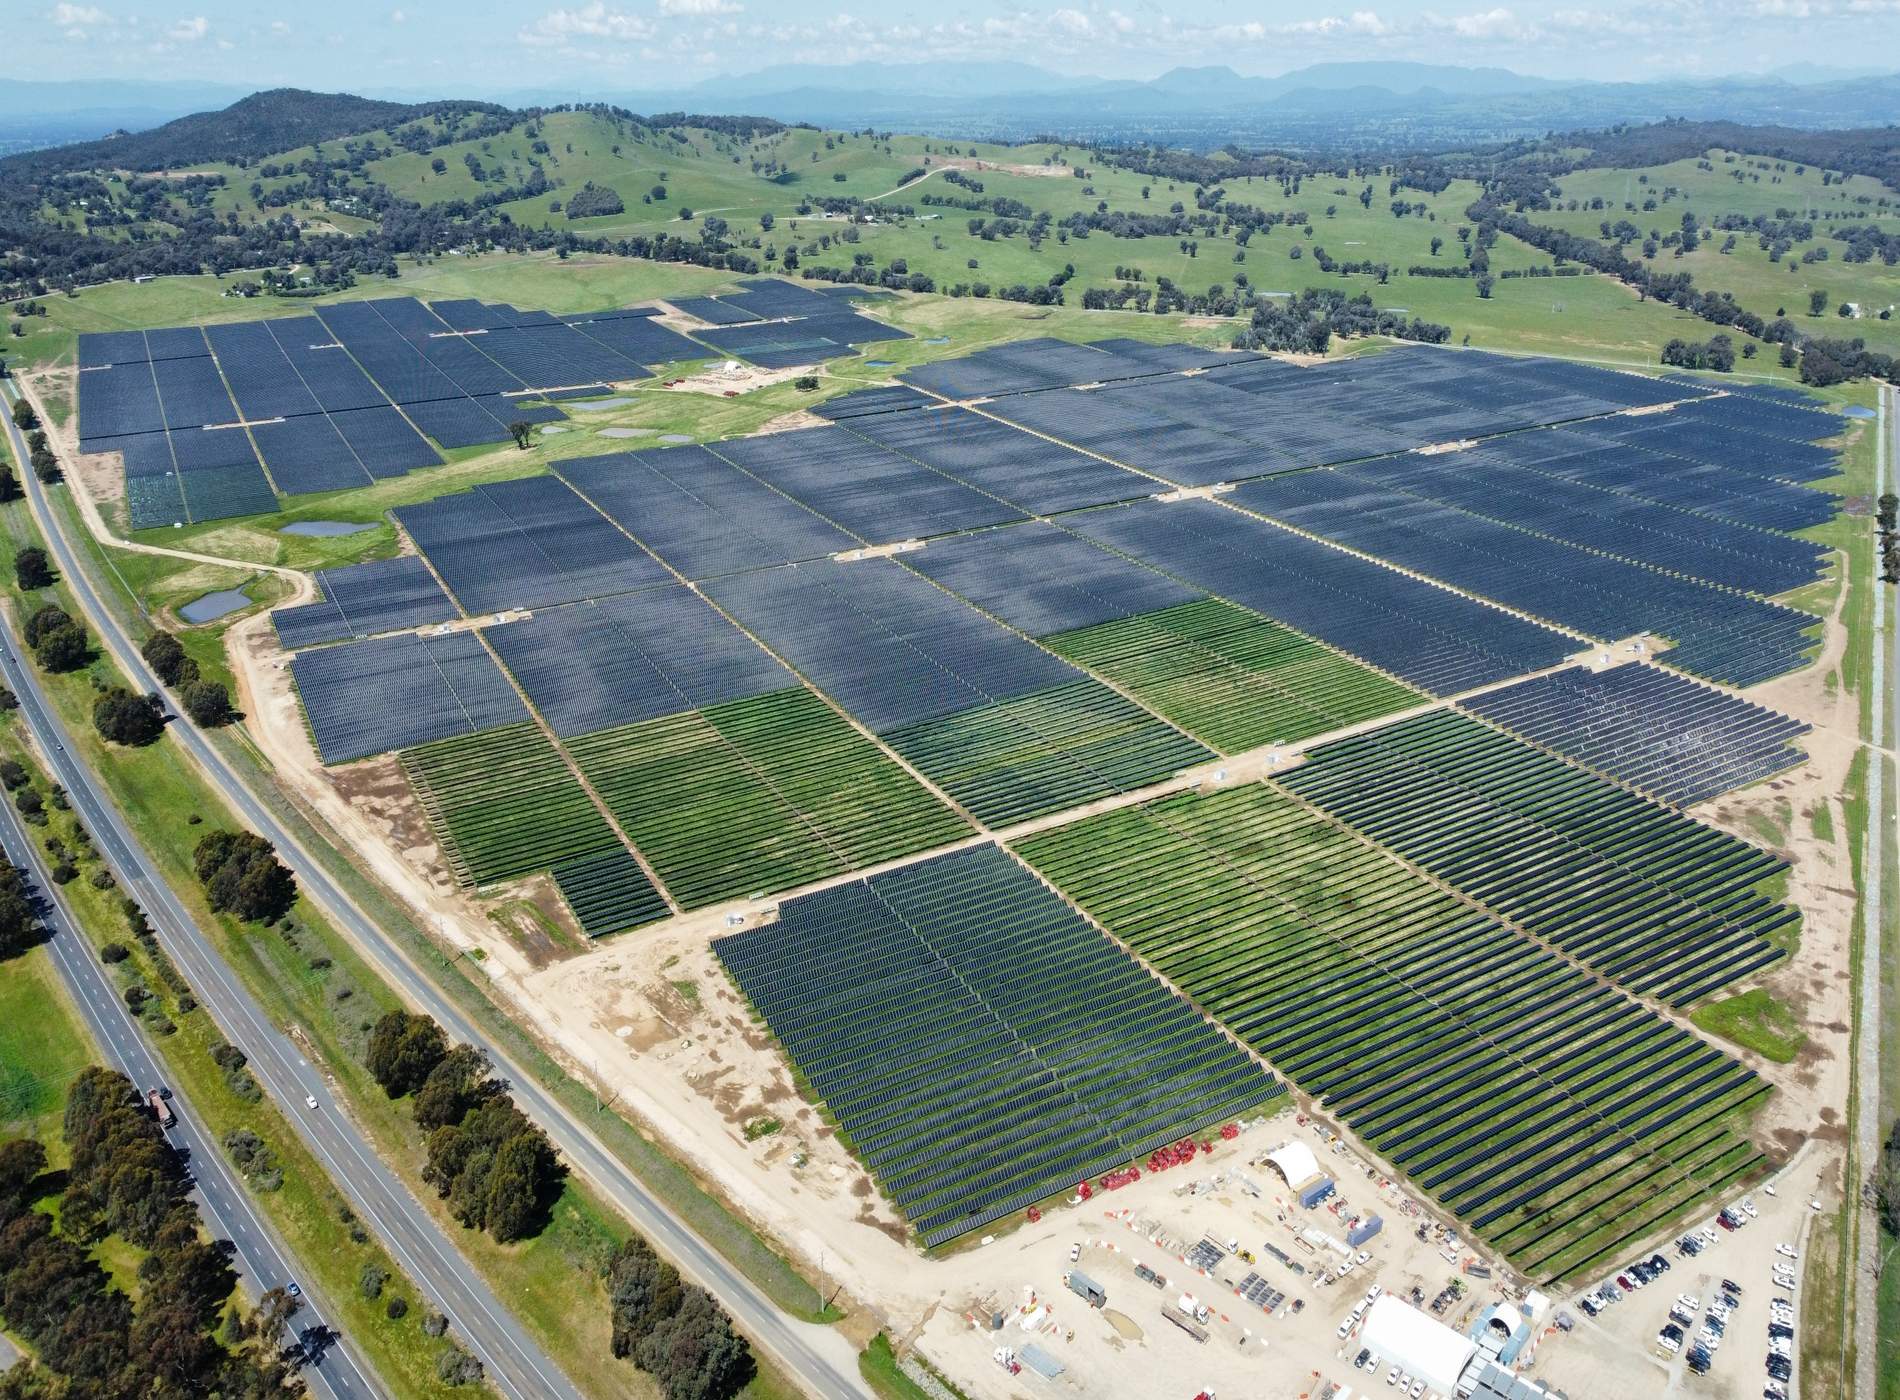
[(514, 1363), (821, 1359), (261, 1260)]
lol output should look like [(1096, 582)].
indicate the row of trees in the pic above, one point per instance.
[(1885, 517), (125, 1178), (497, 1170), (1307, 322), (208, 702)]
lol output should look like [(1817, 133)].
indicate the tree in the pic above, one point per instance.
[(62, 646), (1485, 283), (208, 703), (456, 1083), (23, 416), (241, 875), (129, 719), (694, 1353), (30, 568), (1437, 243), (19, 920), (165, 654), (403, 1050), (9, 485), (522, 431), (643, 1290), (1817, 303)]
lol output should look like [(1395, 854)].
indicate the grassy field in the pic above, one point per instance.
[(43, 1045)]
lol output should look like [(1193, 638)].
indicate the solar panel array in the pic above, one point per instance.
[(1662, 904), (361, 600), (1674, 738), (620, 660), (1720, 634), (526, 544), (315, 394), (701, 515), (1432, 638), (981, 1044), (874, 493), (369, 697), (777, 324)]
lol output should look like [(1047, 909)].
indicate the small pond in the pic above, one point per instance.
[(594, 405), (1859, 411), (936, 340), (326, 529), (626, 432), (879, 364), (676, 437), (212, 606)]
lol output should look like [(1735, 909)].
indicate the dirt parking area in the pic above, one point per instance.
[(1621, 1341)]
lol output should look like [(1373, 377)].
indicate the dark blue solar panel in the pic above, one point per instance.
[(713, 311), (361, 600), (1029, 472), (890, 647), (1043, 580), (262, 381), (641, 342), (876, 494), (324, 365), (308, 454), (591, 666), (700, 514), (890, 398), (112, 348), (370, 697), (531, 543), (191, 393), (117, 400), (1434, 638), (458, 422), (176, 343), (383, 442)]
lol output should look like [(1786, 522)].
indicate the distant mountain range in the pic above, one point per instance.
[(1367, 104)]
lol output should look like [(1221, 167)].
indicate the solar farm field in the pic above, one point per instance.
[(1667, 735), (1009, 730), (1663, 904), (759, 794), (979, 1044), (1553, 1114)]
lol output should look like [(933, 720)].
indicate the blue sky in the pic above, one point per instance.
[(602, 46)]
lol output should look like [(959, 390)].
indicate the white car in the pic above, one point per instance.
[(1392, 1376), (1787, 1250), (310, 1101), (1418, 1389), (1667, 1342), (1749, 1207), (1373, 1293), (1075, 1252), (1690, 1303), (1769, 1188)]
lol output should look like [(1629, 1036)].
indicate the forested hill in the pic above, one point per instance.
[(263, 124)]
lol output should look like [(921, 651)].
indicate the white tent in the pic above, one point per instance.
[(1296, 1163), (1424, 1348)]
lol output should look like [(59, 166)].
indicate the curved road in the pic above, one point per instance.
[(819, 1358), (262, 1260)]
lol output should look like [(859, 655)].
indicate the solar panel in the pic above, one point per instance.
[(370, 697)]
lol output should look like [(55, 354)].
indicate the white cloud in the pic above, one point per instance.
[(700, 7), (398, 16), (278, 26), (1498, 23), (78, 16), (593, 21), (189, 31)]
